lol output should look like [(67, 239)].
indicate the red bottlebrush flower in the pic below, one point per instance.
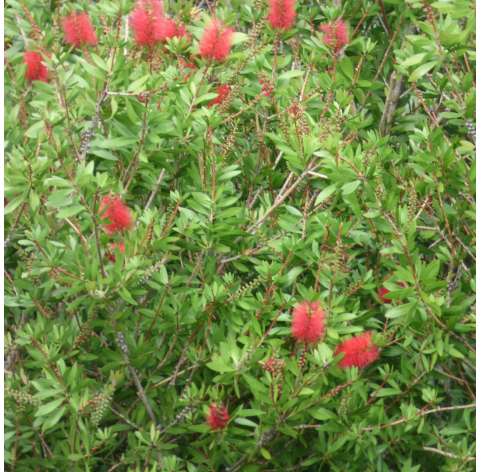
[(267, 87), (36, 69), (382, 292), (223, 91), (218, 417), (167, 30), (282, 14), (308, 322), (117, 213), (78, 30), (113, 246), (148, 22), (170, 29), (216, 41), (358, 351), (335, 34)]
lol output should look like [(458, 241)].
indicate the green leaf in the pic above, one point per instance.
[(207, 97), (99, 61), (397, 311), (266, 454), (347, 67), (125, 294), (70, 211), (57, 182), (35, 130), (325, 194), (238, 38), (422, 70), (54, 419), (104, 154), (387, 392), (293, 274), (350, 187), (46, 409), (219, 365), (323, 414), (137, 86), (92, 70), (290, 74), (60, 198), (413, 60), (246, 422), (13, 204), (113, 143)]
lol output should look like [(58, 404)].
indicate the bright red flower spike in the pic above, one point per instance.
[(151, 26), (78, 30), (147, 22), (308, 322), (216, 41), (335, 35), (168, 30), (223, 91), (359, 351), (36, 69), (116, 213), (282, 14), (218, 417)]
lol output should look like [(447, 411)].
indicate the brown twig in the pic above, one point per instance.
[(156, 189), (420, 414), (140, 390), (97, 239), (281, 197), (448, 454), (395, 89)]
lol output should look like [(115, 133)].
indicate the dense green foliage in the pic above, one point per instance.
[(357, 172)]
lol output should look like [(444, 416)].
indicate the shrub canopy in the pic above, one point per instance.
[(168, 206)]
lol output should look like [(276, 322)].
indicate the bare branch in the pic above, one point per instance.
[(420, 414), (449, 454)]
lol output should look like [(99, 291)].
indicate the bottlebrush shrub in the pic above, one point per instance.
[(324, 176)]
